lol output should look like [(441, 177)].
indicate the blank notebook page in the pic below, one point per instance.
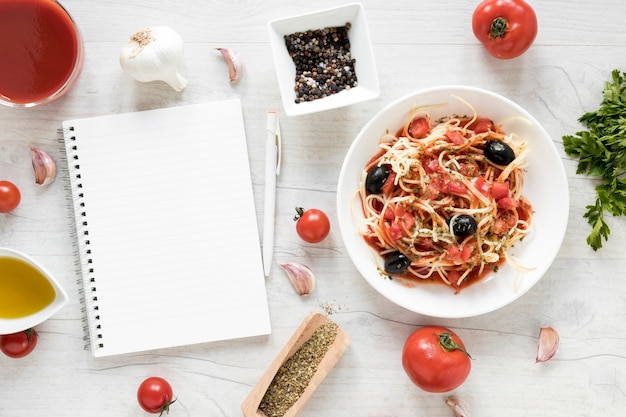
[(166, 224)]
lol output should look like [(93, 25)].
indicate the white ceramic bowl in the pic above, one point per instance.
[(360, 48), (545, 186), (12, 325)]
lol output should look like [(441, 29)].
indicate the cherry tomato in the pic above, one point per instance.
[(155, 395), (9, 196), (20, 344), (435, 359), (506, 28), (312, 225)]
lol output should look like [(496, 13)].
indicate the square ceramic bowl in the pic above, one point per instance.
[(360, 48)]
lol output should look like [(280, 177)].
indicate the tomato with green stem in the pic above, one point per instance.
[(312, 225), (9, 196), (20, 344), (155, 395), (435, 359), (507, 28)]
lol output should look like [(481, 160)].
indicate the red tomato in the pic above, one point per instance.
[(435, 359), (508, 217), (451, 186), (9, 196), (419, 128), (455, 137), (500, 226), (507, 203), (155, 395), (424, 243), (408, 221), (499, 190), (506, 28), (466, 252), (20, 344), (482, 185), (389, 184), (482, 125), (469, 169), (453, 253), (312, 225), (459, 254), (432, 166), (399, 211), (395, 232), (453, 277), (389, 214)]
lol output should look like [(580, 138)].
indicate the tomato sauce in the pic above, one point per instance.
[(40, 50), (411, 281)]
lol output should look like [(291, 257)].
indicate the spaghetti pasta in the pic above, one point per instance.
[(442, 199)]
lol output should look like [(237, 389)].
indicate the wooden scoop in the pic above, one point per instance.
[(311, 323)]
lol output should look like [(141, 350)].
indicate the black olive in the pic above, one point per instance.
[(499, 152), (463, 225), (396, 263), (376, 178)]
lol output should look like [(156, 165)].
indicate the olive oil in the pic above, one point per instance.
[(23, 289)]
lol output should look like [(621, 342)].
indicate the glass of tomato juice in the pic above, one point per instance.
[(41, 52)]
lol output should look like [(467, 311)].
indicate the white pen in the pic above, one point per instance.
[(272, 169)]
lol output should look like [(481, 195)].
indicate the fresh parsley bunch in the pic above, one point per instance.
[(601, 152)]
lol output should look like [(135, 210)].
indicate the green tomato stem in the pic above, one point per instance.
[(449, 345), (29, 335), (299, 213), (166, 406), (498, 27)]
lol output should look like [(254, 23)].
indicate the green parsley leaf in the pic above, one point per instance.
[(601, 153)]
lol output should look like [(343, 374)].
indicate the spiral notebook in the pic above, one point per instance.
[(166, 227)]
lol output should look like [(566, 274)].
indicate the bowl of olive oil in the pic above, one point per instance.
[(29, 294)]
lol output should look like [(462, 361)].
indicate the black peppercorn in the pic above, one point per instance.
[(324, 64)]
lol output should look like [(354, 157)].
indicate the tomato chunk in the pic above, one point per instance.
[(482, 185), (507, 203), (455, 137), (395, 232), (459, 254), (419, 128), (389, 214), (500, 190), (431, 166), (454, 253), (389, 184), (466, 253), (408, 221), (454, 187), (482, 125)]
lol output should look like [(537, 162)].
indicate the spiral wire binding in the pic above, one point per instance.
[(86, 276)]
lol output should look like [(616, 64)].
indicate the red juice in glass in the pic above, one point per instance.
[(41, 52)]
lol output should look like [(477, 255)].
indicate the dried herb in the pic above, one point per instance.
[(294, 375)]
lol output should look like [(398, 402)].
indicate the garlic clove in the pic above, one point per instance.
[(459, 406), (235, 65), (548, 344), (44, 166), (153, 54), (300, 276)]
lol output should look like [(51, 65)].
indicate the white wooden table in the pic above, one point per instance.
[(417, 44)]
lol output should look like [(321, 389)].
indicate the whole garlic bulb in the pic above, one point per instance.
[(154, 53)]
